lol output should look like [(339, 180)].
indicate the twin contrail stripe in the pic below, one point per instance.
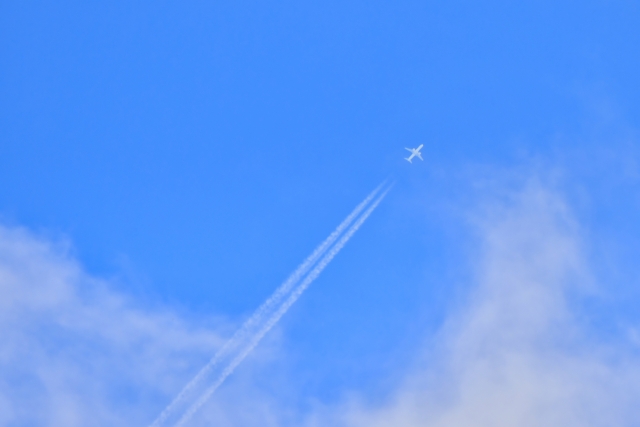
[(313, 275), (265, 317), (263, 311)]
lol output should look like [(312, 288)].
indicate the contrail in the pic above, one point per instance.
[(263, 311), (313, 275)]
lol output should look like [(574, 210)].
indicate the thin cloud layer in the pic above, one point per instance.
[(516, 354), (74, 353)]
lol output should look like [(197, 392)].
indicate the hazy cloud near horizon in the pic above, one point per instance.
[(516, 352), (75, 353)]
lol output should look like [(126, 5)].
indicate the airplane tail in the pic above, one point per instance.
[(408, 159)]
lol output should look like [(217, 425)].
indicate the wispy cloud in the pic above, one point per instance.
[(516, 353), (74, 353)]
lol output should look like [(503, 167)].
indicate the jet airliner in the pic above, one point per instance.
[(414, 152)]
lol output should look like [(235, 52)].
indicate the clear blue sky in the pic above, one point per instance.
[(193, 153)]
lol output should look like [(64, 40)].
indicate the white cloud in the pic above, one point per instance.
[(516, 354), (74, 353)]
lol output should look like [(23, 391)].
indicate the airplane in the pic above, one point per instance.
[(414, 152)]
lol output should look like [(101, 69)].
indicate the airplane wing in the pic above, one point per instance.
[(409, 149), (419, 156)]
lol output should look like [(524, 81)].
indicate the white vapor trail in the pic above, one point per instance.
[(254, 325), (313, 275)]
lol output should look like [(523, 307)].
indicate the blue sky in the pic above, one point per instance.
[(181, 158)]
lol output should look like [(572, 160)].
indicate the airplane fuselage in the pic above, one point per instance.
[(415, 152)]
